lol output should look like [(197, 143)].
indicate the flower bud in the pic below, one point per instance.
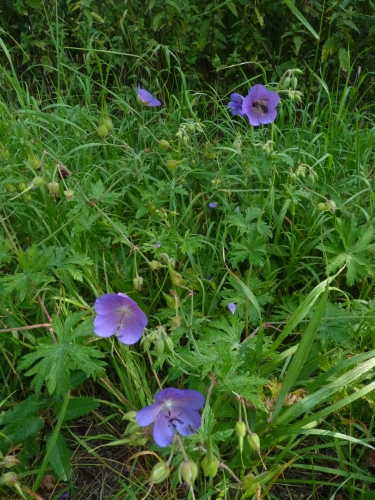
[(137, 283), (33, 161), (4, 155), (154, 265), (69, 193), (311, 178), (21, 187), (286, 82), (131, 428), (210, 468), (176, 278), (37, 182), (146, 344), (9, 479), (164, 144), (315, 174), (176, 322), (254, 442), (250, 483), (53, 188), (293, 82), (297, 98), (159, 473), (171, 164), (241, 431), (159, 346), (331, 205), (293, 177), (27, 197), (10, 188), (168, 342), (321, 206), (130, 415), (102, 131), (10, 461), (188, 472), (107, 122)]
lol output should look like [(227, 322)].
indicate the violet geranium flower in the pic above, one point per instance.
[(260, 105), (146, 98), (119, 313), (236, 104), (174, 410), (213, 204)]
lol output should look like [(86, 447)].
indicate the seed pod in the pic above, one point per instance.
[(254, 442), (188, 471), (159, 473), (102, 131)]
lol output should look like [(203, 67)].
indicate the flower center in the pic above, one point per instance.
[(260, 107)]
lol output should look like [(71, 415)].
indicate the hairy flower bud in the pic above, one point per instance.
[(37, 182), (53, 189), (146, 344), (293, 82), (321, 207), (171, 164), (331, 205), (137, 283), (69, 193), (168, 342), (176, 322), (10, 461), (10, 188), (188, 471), (176, 278), (210, 468), (33, 161), (107, 122), (9, 479), (102, 131), (241, 430), (159, 473), (154, 265), (250, 483), (164, 144), (21, 187), (286, 82), (254, 442), (159, 346)]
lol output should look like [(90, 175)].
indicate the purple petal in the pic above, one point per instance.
[(236, 98), (132, 327), (168, 394), (257, 92), (232, 307), (192, 399), (163, 430), (188, 420), (108, 303), (148, 415), (147, 98), (269, 117), (213, 204), (273, 99), (253, 118), (106, 325)]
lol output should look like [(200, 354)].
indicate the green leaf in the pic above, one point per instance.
[(302, 352), (157, 20), (232, 8), (344, 59), (21, 429), (77, 407), (60, 458), (299, 16)]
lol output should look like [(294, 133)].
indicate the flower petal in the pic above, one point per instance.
[(163, 430), (237, 98), (188, 420), (253, 118), (148, 415), (108, 303), (269, 117), (273, 99), (147, 98), (170, 393), (133, 326), (257, 92), (106, 325), (192, 399)]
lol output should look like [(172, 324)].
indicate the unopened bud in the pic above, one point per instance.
[(159, 473), (210, 468), (331, 205), (176, 278), (168, 343), (21, 187), (293, 177), (311, 178), (293, 82), (10, 461), (286, 82), (146, 345), (321, 206), (137, 283), (154, 265), (164, 144), (33, 161), (171, 164), (159, 346), (254, 442), (188, 471), (107, 122), (176, 322), (53, 188), (4, 155), (131, 428), (69, 193), (130, 415), (37, 182), (102, 131), (10, 188), (250, 483), (9, 479), (241, 429)]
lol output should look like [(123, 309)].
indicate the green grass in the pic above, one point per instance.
[(292, 323)]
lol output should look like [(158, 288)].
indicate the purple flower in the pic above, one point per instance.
[(174, 410), (232, 307), (260, 105), (147, 98), (118, 312), (237, 209), (213, 204), (236, 104), (157, 244)]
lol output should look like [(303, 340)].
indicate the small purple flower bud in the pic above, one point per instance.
[(213, 204), (157, 244), (232, 307)]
